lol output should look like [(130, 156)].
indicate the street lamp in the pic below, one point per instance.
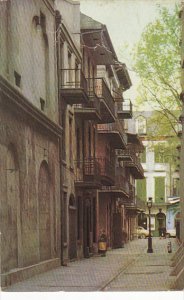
[(149, 205)]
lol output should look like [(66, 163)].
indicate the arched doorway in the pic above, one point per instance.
[(44, 212), (13, 198), (72, 227), (160, 223)]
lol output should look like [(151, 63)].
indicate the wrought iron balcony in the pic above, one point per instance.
[(135, 166), (115, 132), (73, 86), (121, 188), (94, 172), (87, 173), (107, 170), (90, 110), (99, 87), (124, 155), (124, 109)]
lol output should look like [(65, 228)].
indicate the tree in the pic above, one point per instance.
[(157, 62)]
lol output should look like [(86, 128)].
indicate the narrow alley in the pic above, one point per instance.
[(121, 270), (91, 146)]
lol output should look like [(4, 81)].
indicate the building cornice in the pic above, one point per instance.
[(17, 101)]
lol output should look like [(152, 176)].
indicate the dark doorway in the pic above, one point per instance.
[(87, 227), (160, 223), (117, 231), (142, 220), (44, 212), (72, 228)]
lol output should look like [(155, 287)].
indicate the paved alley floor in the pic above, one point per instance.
[(127, 269)]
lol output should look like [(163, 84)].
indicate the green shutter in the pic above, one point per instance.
[(157, 155), (159, 189), (143, 156), (141, 189)]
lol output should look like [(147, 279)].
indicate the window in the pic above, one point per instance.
[(159, 189), (176, 186), (72, 202), (17, 79), (141, 125), (143, 156), (42, 104), (43, 22), (141, 189)]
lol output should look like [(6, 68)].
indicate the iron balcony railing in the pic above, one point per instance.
[(107, 167), (93, 169), (125, 155), (73, 79), (111, 127), (101, 89), (121, 186), (125, 106), (122, 183), (134, 161), (87, 170), (93, 103)]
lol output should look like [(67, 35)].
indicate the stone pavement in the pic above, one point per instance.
[(127, 269)]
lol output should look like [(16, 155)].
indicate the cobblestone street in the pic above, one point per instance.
[(127, 269)]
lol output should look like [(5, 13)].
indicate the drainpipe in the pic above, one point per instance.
[(58, 20)]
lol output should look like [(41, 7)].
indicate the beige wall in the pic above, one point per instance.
[(20, 203), (27, 51), (70, 12)]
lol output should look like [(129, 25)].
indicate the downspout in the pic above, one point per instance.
[(58, 20)]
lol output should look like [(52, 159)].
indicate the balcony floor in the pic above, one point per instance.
[(74, 95)]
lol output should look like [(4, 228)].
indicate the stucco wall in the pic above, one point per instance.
[(19, 177), (30, 52)]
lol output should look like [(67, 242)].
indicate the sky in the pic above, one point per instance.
[(125, 21)]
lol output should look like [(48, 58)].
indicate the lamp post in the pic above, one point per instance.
[(149, 205)]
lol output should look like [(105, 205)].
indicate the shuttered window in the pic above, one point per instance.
[(141, 189), (159, 189), (143, 156)]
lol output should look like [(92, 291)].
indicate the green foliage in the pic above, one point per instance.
[(157, 62), (159, 124), (160, 129)]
